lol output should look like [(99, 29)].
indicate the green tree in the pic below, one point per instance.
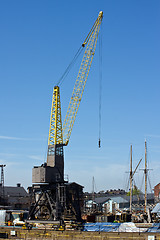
[(135, 191)]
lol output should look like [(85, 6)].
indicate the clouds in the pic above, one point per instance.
[(11, 138), (37, 157), (19, 138), (8, 158)]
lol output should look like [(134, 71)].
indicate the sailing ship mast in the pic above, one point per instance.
[(93, 183), (93, 193), (145, 174), (131, 179)]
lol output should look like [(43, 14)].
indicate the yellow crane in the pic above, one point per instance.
[(58, 135), (51, 193)]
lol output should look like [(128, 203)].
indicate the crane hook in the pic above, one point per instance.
[(99, 142)]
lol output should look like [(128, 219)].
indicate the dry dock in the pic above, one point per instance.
[(18, 233)]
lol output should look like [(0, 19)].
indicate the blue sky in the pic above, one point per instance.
[(38, 41)]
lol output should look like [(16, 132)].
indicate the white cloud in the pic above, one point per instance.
[(9, 163), (11, 138), (20, 139), (36, 157)]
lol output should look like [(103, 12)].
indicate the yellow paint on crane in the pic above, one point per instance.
[(55, 130)]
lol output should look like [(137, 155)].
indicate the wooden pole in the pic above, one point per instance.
[(93, 196), (145, 174), (131, 180)]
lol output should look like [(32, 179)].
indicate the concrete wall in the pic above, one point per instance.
[(72, 235)]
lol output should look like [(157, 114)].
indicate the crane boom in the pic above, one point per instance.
[(91, 41), (57, 134)]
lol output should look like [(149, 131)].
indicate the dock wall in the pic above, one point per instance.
[(34, 234)]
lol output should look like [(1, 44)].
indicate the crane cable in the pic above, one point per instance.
[(64, 75), (100, 85), (77, 54)]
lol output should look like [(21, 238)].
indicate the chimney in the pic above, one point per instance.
[(18, 184)]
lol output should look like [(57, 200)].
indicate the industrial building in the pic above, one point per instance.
[(15, 197)]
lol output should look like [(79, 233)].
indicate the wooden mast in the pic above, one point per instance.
[(93, 195), (145, 174), (131, 180)]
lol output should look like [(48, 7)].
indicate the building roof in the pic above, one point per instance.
[(123, 198), (102, 200), (156, 209), (157, 185), (119, 199), (74, 183), (140, 197), (15, 192)]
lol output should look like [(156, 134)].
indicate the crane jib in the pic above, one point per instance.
[(57, 134)]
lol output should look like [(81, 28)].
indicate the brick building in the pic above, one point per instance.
[(157, 192)]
